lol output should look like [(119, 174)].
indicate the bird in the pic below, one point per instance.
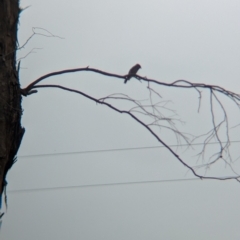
[(132, 72)]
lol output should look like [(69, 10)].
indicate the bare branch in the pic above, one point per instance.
[(141, 123), (32, 51), (49, 34), (152, 115)]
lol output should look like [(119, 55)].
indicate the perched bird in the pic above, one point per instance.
[(132, 72)]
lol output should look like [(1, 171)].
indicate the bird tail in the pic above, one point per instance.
[(127, 78)]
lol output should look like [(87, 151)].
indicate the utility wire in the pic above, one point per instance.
[(101, 185), (105, 184), (113, 150)]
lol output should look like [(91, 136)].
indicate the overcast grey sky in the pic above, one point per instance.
[(90, 194)]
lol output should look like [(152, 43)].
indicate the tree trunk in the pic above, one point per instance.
[(11, 131)]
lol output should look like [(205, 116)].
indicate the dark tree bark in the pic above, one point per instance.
[(11, 131)]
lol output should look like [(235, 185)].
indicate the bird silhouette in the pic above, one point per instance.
[(132, 72)]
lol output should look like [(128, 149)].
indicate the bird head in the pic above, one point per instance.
[(138, 65)]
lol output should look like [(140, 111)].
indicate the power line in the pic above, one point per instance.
[(101, 185), (105, 184), (113, 150)]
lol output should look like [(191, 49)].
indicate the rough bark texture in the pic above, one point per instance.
[(11, 131)]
